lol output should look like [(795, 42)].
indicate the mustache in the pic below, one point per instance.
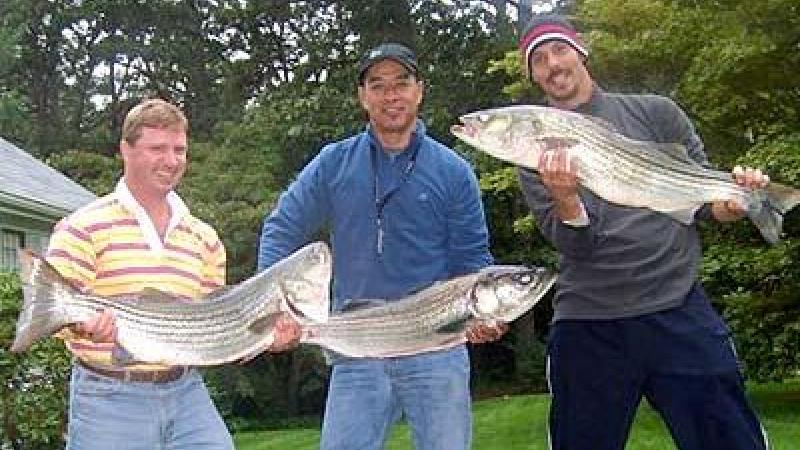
[(556, 72)]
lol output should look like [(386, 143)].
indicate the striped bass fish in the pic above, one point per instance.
[(231, 324), (661, 177), (433, 318)]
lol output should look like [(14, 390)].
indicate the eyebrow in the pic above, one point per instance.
[(404, 76)]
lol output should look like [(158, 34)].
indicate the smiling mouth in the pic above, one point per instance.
[(561, 75), (464, 130)]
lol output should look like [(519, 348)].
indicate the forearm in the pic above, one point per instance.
[(576, 241), (569, 209)]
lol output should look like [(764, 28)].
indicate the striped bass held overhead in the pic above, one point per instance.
[(231, 324), (624, 171), (431, 319)]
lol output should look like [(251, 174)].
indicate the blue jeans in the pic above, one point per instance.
[(366, 396), (109, 414)]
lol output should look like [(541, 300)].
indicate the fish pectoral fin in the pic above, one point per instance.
[(453, 327), (261, 326), (264, 324), (253, 354)]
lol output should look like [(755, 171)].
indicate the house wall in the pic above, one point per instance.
[(21, 231)]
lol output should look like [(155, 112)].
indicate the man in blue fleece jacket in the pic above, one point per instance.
[(403, 211), (631, 319)]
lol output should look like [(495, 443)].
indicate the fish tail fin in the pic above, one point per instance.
[(777, 200), (40, 314)]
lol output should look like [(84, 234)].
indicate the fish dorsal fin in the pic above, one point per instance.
[(154, 296)]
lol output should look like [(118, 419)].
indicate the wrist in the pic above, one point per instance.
[(569, 208)]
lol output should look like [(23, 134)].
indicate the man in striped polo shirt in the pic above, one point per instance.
[(141, 236)]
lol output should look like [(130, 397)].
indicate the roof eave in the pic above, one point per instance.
[(30, 208)]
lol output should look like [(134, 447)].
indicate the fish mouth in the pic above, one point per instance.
[(464, 130)]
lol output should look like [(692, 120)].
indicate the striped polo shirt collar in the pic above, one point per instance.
[(178, 210)]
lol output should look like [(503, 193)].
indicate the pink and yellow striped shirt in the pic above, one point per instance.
[(111, 248)]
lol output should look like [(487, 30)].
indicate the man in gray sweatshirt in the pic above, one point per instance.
[(631, 319)]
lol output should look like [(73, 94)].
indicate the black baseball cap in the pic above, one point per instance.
[(393, 51)]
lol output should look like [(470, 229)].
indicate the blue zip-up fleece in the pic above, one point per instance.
[(433, 222)]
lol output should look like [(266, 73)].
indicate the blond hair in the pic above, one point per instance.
[(152, 113)]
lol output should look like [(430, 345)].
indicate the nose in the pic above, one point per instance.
[(391, 91), (553, 64), (173, 157)]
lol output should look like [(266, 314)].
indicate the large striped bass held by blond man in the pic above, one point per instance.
[(231, 324), (624, 171)]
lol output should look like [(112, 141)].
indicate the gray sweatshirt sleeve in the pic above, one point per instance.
[(673, 125), (570, 241)]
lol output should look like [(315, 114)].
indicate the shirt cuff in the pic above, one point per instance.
[(581, 221)]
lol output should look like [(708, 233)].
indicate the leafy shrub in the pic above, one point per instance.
[(33, 392)]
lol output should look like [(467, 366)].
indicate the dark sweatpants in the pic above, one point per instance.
[(682, 360)]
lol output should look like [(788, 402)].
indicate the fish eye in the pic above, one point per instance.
[(522, 278)]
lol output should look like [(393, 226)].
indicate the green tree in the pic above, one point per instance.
[(14, 110)]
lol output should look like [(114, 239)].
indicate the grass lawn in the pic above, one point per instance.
[(520, 423)]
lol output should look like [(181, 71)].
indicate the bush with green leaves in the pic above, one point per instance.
[(757, 284), (33, 392)]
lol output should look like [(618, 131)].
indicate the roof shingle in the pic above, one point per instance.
[(24, 177)]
